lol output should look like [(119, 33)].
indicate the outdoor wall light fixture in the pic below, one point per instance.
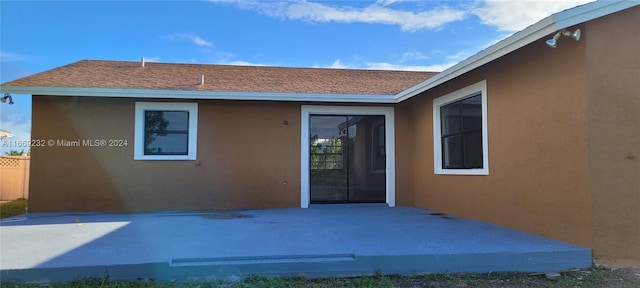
[(553, 42), (6, 97)]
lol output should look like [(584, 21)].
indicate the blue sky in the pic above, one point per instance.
[(386, 34)]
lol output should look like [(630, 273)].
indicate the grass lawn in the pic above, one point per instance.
[(622, 278), (13, 208)]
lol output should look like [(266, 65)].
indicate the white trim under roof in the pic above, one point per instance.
[(195, 95)]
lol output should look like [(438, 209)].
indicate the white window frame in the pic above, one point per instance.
[(141, 107), (387, 112), (471, 90)]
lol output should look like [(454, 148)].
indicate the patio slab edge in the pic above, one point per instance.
[(311, 266)]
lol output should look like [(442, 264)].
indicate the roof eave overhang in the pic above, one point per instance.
[(520, 39), (196, 95)]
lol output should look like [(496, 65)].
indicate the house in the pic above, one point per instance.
[(540, 139)]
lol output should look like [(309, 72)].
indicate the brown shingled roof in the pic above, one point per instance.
[(223, 78)]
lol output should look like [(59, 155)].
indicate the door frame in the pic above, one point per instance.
[(387, 112)]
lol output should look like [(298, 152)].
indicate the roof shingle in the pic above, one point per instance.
[(223, 78)]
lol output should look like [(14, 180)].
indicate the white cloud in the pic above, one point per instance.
[(460, 55), (386, 2), (508, 15), (412, 56), (374, 13), (152, 59), (338, 64), (242, 63), (12, 57), (402, 63), (391, 66), (196, 40), (466, 53)]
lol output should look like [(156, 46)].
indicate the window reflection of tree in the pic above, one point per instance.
[(155, 125), (327, 154)]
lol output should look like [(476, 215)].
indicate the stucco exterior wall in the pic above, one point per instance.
[(538, 150), (613, 65), (247, 158), (404, 154)]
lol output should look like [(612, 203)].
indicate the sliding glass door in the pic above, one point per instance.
[(347, 159)]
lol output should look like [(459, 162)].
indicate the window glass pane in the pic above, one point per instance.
[(166, 143), (452, 151), (155, 121), (178, 120), (326, 127), (473, 150), (460, 124), (326, 138), (326, 153), (166, 120), (472, 113), (379, 153), (450, 118)]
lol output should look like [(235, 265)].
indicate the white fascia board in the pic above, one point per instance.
[(591, 11), (544, 27), (196, 95)]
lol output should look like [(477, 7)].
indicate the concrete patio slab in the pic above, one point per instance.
[(326, 240)]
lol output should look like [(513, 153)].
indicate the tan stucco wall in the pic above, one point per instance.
[(613, 65), (247, 158), (538, 150), (404, 154)]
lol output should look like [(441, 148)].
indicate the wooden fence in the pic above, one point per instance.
[(14, 177)]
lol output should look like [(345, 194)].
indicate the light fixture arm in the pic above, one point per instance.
[(6, 97), (553, 42)]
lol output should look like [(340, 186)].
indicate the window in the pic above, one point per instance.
[(165, 131), (460, 132)]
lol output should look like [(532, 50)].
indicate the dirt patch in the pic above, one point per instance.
[(616, 263), (592, 278)]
